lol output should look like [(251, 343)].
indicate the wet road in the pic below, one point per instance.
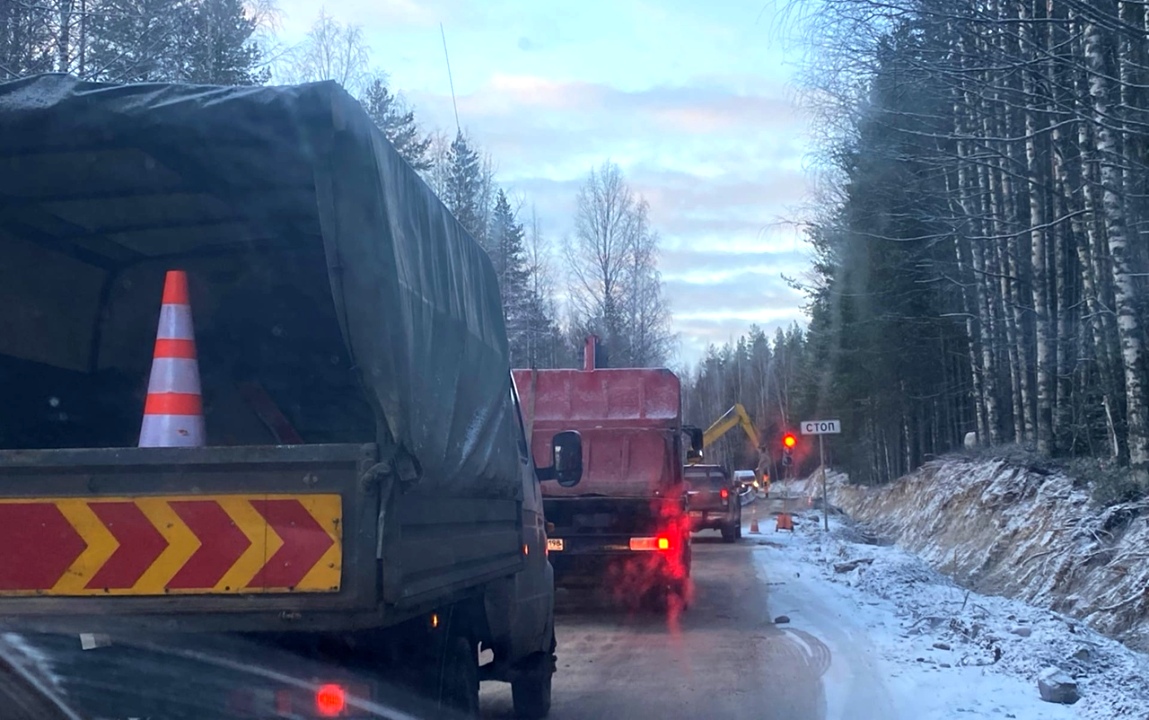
[(725, 659)]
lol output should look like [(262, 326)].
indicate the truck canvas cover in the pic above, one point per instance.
[(97, 181)]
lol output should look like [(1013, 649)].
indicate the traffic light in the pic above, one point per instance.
[(788, 443)]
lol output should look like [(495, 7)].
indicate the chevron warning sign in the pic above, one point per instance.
[(164, 545)]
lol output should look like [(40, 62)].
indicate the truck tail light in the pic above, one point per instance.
[(330, 700), (660, 542), (724, 494)]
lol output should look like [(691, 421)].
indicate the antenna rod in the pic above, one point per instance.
[(450, 79)]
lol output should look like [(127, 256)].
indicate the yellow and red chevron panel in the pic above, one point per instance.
[(167, 545)]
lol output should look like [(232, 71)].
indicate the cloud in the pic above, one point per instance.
[(718, 160), (745, 299), (390, 14), (561, 128), (700, 265), (695, 334)]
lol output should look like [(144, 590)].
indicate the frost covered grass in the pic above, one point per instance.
[(1019, 531), (963, 653)]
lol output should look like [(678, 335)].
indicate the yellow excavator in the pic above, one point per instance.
[(737, 415)]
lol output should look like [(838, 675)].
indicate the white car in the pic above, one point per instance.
[(750, 488)]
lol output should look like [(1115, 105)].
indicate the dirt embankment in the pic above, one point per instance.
[(1019, 532)]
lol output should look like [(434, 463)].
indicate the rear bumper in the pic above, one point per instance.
[(590, 562), (712, 519)]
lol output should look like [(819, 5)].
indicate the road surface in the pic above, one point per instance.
[(726, 658)]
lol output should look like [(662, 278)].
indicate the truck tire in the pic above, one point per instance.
[(459, 677), (531, 692), (729, 533)]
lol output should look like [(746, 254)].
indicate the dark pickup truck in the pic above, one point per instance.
[(375, 505), (712, 500)]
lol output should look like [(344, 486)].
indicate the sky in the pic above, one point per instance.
[(693, 100)]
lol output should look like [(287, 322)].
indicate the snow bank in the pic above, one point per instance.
[(945, 652), (1018, 532)]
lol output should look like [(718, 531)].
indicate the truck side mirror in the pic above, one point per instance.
[(566, 459)]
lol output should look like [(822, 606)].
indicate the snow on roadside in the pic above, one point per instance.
[(944, 652)]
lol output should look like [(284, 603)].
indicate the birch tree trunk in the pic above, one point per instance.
[(1109, 151), (1040, 275)]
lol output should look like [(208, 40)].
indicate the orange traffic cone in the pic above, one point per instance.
[(754, 523), (173, 413)]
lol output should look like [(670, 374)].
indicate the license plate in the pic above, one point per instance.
[(554, 544), (696, 514)]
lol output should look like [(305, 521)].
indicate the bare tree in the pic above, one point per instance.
[(612, 263), (599, 253), (331, 51)]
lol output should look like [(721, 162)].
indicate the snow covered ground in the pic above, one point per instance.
[(906, 643)]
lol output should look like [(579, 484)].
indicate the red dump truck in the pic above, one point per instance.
[(624, 527)]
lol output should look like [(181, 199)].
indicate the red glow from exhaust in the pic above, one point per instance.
[(330, 701)]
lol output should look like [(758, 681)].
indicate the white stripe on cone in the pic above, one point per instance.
[(174, 375), (172, 431), (175, 323)]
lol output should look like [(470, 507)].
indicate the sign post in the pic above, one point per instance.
[(821, 428)]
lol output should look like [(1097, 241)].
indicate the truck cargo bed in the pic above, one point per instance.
[(230, 538)]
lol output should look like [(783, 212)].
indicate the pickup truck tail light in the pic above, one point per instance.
[(659, 543), (724, 494)]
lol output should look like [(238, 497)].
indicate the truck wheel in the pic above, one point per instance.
[(728, 534), (459, 677), (531, 692)]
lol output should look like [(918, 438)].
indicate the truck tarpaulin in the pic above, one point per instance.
[(97, 180)]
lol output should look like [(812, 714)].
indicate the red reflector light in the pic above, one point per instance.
[(330, 701), (283, 704)]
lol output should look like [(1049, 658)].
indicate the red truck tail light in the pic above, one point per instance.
[(660, 543), (724, 494), (330, 700)]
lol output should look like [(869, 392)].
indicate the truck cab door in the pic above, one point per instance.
[(534, 586)]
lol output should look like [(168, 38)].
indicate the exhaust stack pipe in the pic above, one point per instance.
[(588, 357)]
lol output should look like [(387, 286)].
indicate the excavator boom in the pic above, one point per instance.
[(737, 415)]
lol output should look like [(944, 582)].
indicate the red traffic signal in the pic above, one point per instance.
[(789, 441)]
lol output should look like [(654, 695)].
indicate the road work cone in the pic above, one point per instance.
[(173, 413), (754, 522)]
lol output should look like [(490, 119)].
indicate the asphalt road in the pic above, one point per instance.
[(724, 658)]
